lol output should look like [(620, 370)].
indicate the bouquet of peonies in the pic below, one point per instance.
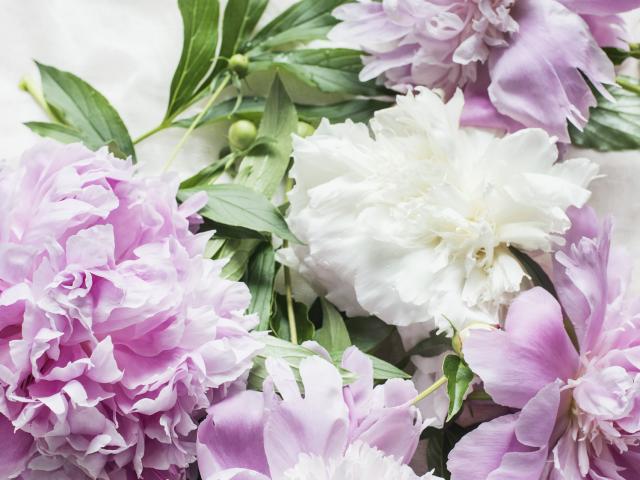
[(390, 269)]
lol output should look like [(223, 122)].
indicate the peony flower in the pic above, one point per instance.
[(114, 328), (412, 223), (578, 412), (330, 433), (505, 53)]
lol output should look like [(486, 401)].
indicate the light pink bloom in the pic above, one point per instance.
[(254, 435), (114, 329), (578, 412), (521, 63)]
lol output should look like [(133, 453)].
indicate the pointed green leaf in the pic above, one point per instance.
[(290, 353), (303, 21), (333, 335), (305, 328), (240, 206), (200, 39), (613, 125), (57, 131), (382, 370), (367, 333), (237, 253), (84, 110), (331, 70), (264, 172), (459, 377), (259, 278)]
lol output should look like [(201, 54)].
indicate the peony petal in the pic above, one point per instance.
[(533, 350)]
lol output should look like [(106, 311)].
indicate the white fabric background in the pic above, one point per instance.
[(128, 50)]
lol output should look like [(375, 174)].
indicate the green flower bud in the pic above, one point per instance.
[(239, 64), (242, 134), (304, 129), (462, 335)]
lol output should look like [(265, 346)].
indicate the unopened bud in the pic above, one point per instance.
[(242, 134), (304, 129), (239, 64), (461, 336)]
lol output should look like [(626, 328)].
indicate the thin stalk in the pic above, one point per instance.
[(441, 381), (27, 85), (291, 315), (157, 129), (196, 121)]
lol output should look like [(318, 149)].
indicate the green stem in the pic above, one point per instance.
[(157, 129), (441, 381), (287, 283), (195, 122), (27, 85), (627, 85), (291, 315)]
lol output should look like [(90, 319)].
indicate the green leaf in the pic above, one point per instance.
[(304, 21), (385, 371), (331, 70), (208, 174), (265, 172), (613, 125), (538, 276), (290, 353), (240, 206), (259, 278), (254, 15), (459, 376), (619, 55), (238, 253), (83, 109), (382, 370), (439, 443), (367, 333), (355, 110), (62, 133), (200, 39), (238, 22), (280, 320), (251, 108), (333, 335), (432, 346)]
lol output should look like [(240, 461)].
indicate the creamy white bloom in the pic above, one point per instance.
[(359, 462), (411, 219)]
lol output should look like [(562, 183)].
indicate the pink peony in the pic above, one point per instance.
[(578, 413), (114, 329), (522, 63), (330, 433)]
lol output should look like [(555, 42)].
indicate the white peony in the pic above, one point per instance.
[(411, 219), (359, 462)]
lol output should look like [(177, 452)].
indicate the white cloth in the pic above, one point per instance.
[(128, 50)]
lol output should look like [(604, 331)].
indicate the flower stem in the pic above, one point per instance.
[(26, 84), (157, 129), (291, 315), (196, 121), (441, 381)]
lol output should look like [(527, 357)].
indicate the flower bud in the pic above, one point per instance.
[(239, 64), (304, 129), (459, 338), (242, 134)]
